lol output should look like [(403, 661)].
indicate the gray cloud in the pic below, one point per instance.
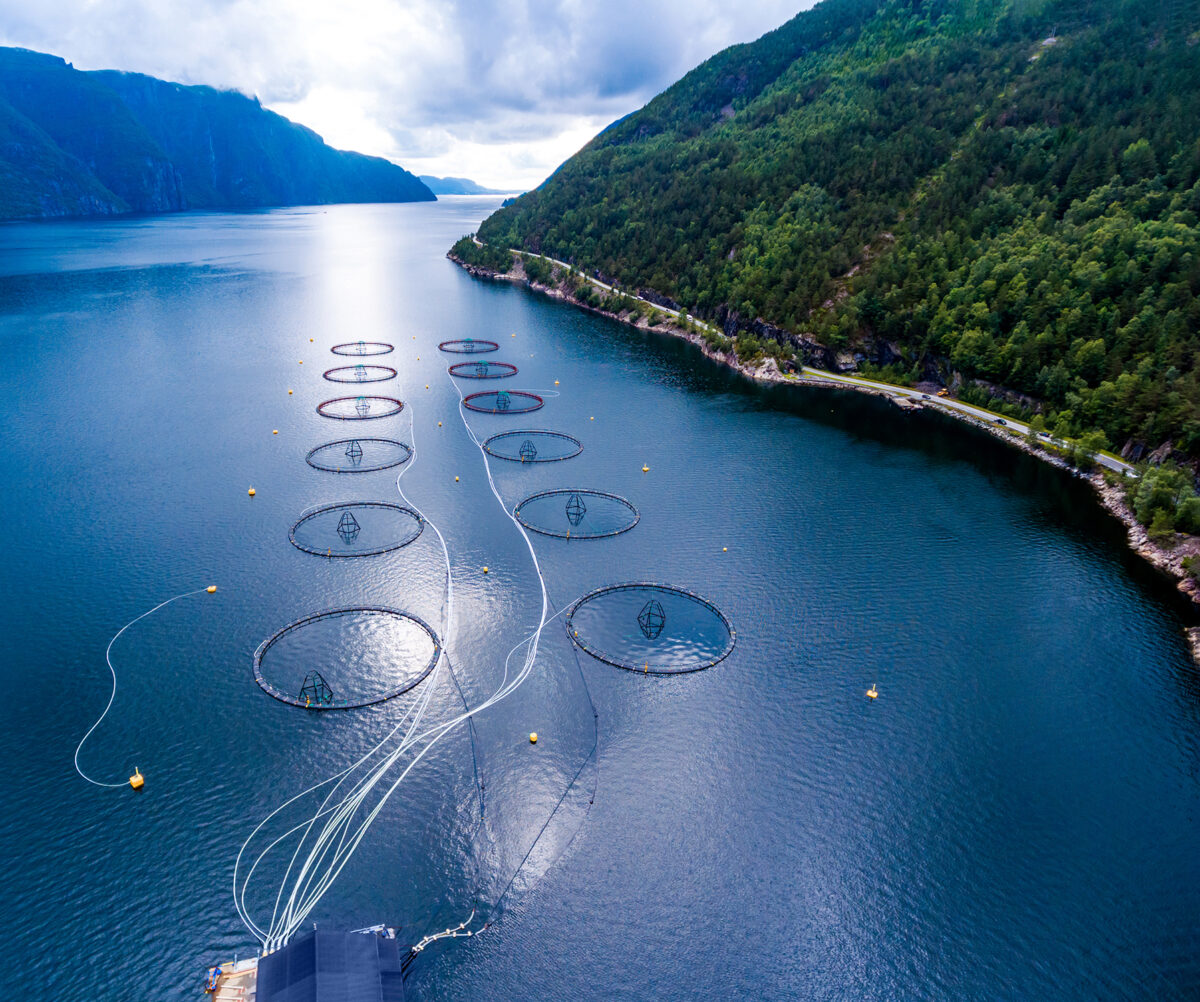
[(514, 85)]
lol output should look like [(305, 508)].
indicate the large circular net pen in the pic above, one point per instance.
[(356, 529), (360, 374), (533, 446), (358, 455), (469, 346), (656, 629), (577, 514), (483, 370), (504, 402), (363, 348), (342, 659), (362, 408)]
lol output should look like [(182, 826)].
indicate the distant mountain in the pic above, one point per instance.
[(459, 186), (102, 143), (999, 195)]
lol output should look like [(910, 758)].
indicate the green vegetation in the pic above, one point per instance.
[(486, 256), (1164, 499), (938, 176)]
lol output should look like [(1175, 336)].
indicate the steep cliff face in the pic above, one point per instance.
[(100, 143)]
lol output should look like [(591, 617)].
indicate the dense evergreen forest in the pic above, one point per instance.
[(1002, 194)]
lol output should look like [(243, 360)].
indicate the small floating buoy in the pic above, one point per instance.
[(211, 589), (456, 479), (591, 419), (250, 492), (724, 549), (533, 737), (275, 431), (514, 335), (645, 469), (485, 570), (872, 693), (426, 386), (137, 780), (555, 381), (289, 393), (310, 340), (301, 361), (439, 424)]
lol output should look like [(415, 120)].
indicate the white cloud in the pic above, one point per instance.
[(498, 90)]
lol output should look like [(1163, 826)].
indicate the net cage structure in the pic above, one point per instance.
[(483, 370), (360, 373), (468, 346), (650, 628), (337, 530), (504, 402), (533, 445), (362, 408), (358, 455), (315, 693), (577, 513), (363, 348)]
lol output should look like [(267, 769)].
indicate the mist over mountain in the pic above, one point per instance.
[(103, 143)]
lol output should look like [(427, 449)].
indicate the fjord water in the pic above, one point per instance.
[(1015, 817)]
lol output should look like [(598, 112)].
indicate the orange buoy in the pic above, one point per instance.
[(872, 693), (250, 492), (211, 589), (137, 780), (533, 737)]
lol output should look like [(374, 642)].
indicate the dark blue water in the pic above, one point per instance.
[(1015, 817)]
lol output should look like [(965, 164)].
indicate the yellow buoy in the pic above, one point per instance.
[(485, 570), (456, 479), (514, 335), (301, 361), (724, 549), (645, 469), (533, 737), (555, 381), (137, 780), (310, 340), (591, 419), (289, 393), (274, 431), (439, 424), (211, 589), (872, 693), (251, 492), (426, 386)]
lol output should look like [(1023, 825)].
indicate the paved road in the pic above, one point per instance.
[(1104, 459)]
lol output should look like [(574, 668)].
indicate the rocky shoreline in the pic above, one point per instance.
[(1167, 559)]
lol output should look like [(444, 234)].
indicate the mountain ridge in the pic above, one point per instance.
[(999, 195), (104, 142)]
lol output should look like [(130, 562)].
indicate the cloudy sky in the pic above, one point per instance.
[(501, 91)]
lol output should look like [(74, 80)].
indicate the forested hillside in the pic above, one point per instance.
[(994, 193), (102, 143)]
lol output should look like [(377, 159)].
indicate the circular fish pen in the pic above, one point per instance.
[(360, 374), (655, 629), (504, 402), (577, 514), (358, 455), (359, 408), (533, 446), (343, 659), (363, 348), (356, 529), (483, 370), (468, 346)]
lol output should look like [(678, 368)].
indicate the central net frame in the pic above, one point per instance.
[(337, 704), (398, 406), (489, 445), (483, 370), (468, 346), (475, 402), (645, 668), (316, 465), (571, 495), (334, 375), (350, 506), (363, 348)]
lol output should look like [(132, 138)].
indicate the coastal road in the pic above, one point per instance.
[(1105, 459)]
